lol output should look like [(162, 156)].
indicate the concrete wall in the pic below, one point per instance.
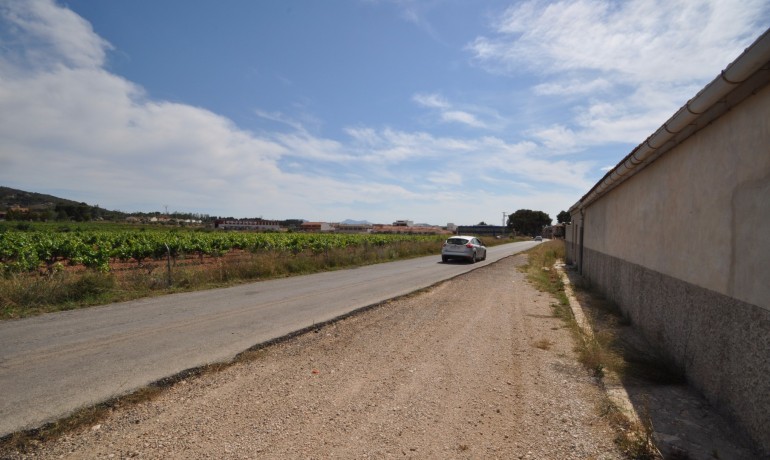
[(683, 248)]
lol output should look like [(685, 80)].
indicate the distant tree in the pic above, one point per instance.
[(18, 215), (564, 217), (528, 222), (482, 223)]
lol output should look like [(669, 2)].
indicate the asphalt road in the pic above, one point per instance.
[(53, 364)]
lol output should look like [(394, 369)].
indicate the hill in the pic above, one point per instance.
[(11, 197), (22, 205)]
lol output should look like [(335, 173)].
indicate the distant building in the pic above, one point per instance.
[(421, 230), (352, 228), (316, 227), (247, 224), (554, 231), (403, 223), (483, 230)]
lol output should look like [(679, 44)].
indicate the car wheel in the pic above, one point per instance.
[(444, 259), (485, 256), (473, 258)]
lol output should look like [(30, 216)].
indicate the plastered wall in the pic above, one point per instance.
[(701, 212), (684, 248)]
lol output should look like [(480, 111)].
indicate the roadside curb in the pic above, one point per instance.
[(615, 391)]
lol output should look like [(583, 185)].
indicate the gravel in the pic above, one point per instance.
[(475, 367)]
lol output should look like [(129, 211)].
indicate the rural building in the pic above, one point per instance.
[(677, 235), (554, 231), (247, 224), (316, 227), (483, 230), (352, 228), (415, 230)]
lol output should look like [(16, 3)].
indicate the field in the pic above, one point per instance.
[(54, 267)]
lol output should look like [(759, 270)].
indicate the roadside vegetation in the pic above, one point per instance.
[(600, 351), (53, 267)]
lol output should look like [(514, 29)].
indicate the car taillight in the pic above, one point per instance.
[(469, 246), (443, 245)]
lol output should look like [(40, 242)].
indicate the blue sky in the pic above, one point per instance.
[(434, 111)]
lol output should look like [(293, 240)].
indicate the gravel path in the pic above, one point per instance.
[(476, 367)]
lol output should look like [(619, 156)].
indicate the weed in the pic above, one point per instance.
[(636, 439), (600, 352), (543, 344)]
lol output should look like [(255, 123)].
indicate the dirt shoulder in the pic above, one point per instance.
[(476, 367)]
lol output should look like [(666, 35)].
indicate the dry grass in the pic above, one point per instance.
[(540, 269), (23, 295), (635, 439), (543, 344), (600, 352)]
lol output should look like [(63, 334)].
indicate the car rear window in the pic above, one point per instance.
[(456, 241)]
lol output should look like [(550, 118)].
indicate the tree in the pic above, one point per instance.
[(564, 217), (528, 222)]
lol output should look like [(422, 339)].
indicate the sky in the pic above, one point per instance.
[(434, 111)]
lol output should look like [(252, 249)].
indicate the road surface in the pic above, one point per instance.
[(476, 367), (53, 364)]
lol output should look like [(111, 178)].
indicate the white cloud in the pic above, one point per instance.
[(573, 87), (635, 41), (432, 100), (447, 113), (462, 117), (68, 124), (445, 178), (280, 118), (40, 22), (636, 61)]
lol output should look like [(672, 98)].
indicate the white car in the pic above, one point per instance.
[(467, 248)]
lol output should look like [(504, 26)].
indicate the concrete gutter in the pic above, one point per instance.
[(749, 72)]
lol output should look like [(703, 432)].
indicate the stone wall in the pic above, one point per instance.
[(721, 344)]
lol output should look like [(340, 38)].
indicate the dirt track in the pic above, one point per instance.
[(476, 367)]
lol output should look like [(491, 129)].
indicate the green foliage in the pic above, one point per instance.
[(28, 287), (564, 217), (528, 222), (28, 251)]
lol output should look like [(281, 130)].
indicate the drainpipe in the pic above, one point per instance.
[(580, 240)]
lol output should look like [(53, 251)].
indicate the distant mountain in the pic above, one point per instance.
[(20, 205)]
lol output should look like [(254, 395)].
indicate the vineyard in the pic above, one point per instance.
[(46, 268), (49, 251)]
